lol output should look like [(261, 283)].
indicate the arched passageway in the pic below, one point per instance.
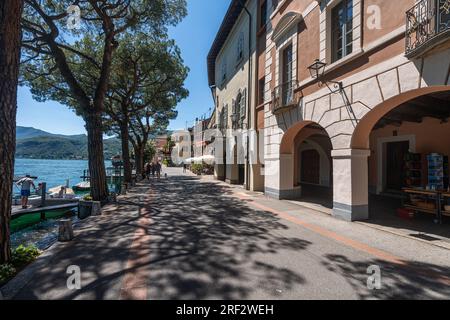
[(306, 167), (409, 141)]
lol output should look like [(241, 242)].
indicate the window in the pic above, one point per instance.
[(262, 90), (342, 29), (242, 106), (287, 75), (263, 14), (240, 47), (224, 71)]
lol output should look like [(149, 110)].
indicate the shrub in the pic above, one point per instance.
[(87, 197), (7, 271), (22, 255), (197, 168)]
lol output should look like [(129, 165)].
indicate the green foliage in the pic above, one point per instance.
[(23, 255), (7, 271), (197, 168), (149, 152), (87, 197), (20, 257)]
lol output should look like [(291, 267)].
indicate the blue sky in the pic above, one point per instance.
[(194, 35)]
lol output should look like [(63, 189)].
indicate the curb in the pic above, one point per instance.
[(403, 235)]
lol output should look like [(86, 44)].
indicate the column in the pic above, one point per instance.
[(350, 184)]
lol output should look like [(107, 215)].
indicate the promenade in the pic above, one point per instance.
[(189, 238)]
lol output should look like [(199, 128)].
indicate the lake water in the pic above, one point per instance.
[(53, 172)]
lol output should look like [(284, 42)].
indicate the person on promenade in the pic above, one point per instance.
[(184, 167), (153, 168), (148, 169), (25, 183), (158, 169)]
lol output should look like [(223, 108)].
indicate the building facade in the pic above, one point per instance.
[(231, 71), (344, 91)]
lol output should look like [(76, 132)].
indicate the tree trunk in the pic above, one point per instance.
[(125, 151), (139, 158), (10, 36), (97, 172)]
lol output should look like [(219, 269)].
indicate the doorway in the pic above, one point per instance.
[(310, 166), (395, 165)]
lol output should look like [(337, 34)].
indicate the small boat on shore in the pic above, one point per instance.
[(82, 186)]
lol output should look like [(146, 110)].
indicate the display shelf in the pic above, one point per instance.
[(413, 170)]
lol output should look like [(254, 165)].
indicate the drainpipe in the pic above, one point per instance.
[(249, 97)]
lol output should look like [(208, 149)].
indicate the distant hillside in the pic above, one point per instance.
[(37, 144), (28, 132)]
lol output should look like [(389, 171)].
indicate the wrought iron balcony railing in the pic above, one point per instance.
[(427, 25), (284, 96)]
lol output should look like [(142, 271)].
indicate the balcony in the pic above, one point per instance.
[(427, 25), (284, 96)]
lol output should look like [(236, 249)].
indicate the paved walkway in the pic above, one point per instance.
[(190, 238)]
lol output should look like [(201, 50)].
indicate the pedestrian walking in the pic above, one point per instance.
[(158, 169), (25, 183), (148, 170), (184, 167), (153, 169)]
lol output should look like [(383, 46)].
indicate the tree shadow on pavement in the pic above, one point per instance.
[(217, 245), (409, 280), (203, 244)]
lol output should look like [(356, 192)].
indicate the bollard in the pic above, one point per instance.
[(43, 193), (65, 232), (113, 197), (96, 208)]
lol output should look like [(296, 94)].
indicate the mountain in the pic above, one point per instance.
[(37, 144), (29, 132)]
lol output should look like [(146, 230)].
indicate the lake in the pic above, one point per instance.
[(53, 172)]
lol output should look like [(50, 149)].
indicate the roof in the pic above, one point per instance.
[(233, 12)]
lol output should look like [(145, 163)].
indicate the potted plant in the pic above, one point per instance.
[(85, 207)]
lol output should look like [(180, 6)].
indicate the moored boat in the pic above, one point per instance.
[(82, 186)]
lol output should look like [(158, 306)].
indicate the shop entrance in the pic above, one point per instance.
[(408, 166), (395, 165)]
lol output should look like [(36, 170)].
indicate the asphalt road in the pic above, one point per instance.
[(188, 238)]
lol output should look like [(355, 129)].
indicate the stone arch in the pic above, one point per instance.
[(287, 142), (360, 138), (286, 166)]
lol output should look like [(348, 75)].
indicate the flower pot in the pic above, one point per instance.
[(84, 209)]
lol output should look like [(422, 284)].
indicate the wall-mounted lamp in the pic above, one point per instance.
[(317, 71)]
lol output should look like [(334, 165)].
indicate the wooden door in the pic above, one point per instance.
[(310, 166), (395, 164)]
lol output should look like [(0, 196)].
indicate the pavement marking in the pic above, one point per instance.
[(383, 255), (135, 282)]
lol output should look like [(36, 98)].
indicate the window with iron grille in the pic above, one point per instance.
[(342, 29)]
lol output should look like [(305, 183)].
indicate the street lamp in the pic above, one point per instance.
[(317, 69)]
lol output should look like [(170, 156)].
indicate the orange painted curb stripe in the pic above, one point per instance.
[(135, 282)]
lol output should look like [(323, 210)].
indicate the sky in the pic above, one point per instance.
[(194, 35)]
